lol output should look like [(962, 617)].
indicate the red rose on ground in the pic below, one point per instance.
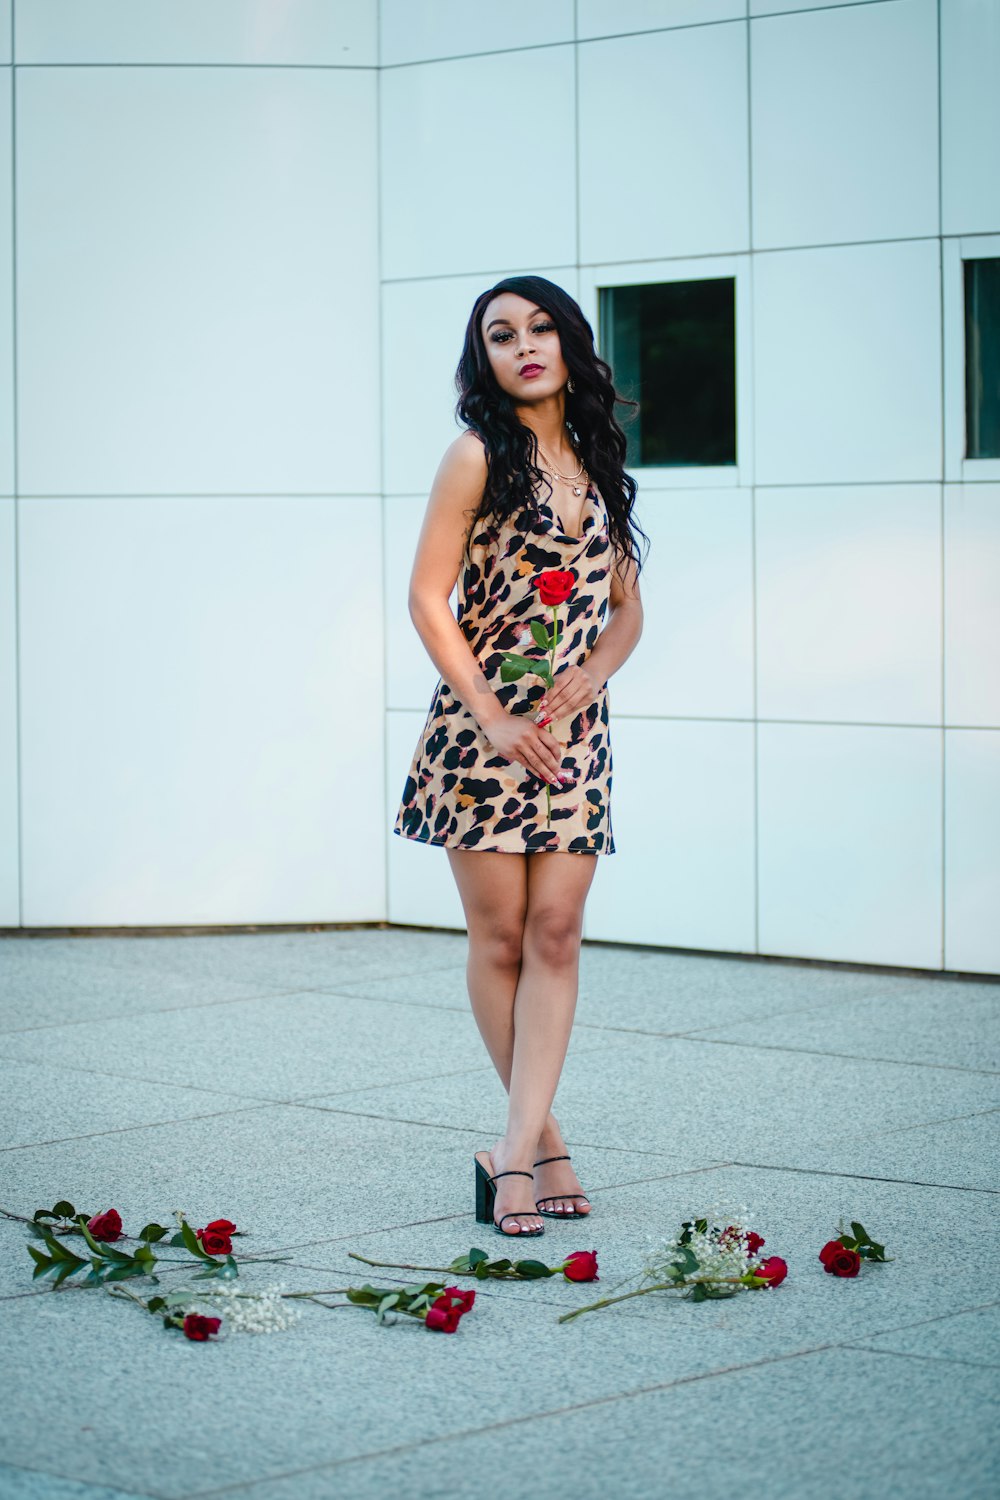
[(464, 1299), (199, 1328), (106, 1226), (754, 1240), (443, 1316), (843, 1262), (581, 1266), (223, 1226), (555, 586), (830, 1248), (213, 1242), (774, 1269)]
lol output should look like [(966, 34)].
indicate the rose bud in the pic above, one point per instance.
[(214, 1243), (830, 1248), (106, 1226), (843, 1263), (581, 1266), (754, 1242), (442, 1316), (223, 1226), (774, 1269), (200, 1328)]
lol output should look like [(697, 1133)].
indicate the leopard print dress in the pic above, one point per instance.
[(459, 791)]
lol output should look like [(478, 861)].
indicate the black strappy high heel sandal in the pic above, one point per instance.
[(550, 1213), (486, 1198)]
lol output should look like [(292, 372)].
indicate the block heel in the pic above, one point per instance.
[(486, 1195)]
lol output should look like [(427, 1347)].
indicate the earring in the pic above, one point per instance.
[(570, 386)]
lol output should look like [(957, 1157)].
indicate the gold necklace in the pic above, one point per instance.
[(567, 478)]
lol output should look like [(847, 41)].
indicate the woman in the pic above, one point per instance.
[(534, 486)]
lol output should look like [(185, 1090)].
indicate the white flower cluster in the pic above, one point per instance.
[(264, 1311), (726, 1258)]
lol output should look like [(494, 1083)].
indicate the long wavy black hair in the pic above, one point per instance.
[(511, 447)]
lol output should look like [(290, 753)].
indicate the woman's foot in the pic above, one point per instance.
[(514, 1195), (557, 1177)]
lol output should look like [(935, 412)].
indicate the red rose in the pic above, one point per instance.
[(223, 1226), (581, 1266), (732, 1232), (555, 587), (774, 1269), (442, 1316), (843, 1262), (106, 1226), (830, 1248), (464, 1299), (199, 1328), (213, 1242)]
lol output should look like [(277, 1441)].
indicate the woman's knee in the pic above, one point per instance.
[(553, 934), (497, 937)]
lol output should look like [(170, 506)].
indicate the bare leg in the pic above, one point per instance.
[(544, 1006), (497, 892), (494, 888)]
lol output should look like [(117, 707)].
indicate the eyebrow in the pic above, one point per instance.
[(507, 320)]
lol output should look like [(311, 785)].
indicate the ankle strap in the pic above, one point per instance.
[(511, 1174), (553, 1158)]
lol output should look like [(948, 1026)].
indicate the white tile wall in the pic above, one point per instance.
[(9, 833), (764, 7), (411, 675), (849, 603), (417, 30), (197, 297), (423, 329), (844, 125), (321, 33), (457, 143), (6, 50), (6, 289), (972, 838), (849, 830), (847, 364), (682, 811), (421, 888), (663, 144), (972, 606), (598, 18), (202, 713), (970, 116), (695, 656)]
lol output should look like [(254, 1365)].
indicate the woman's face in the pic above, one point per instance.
[(523, 347)]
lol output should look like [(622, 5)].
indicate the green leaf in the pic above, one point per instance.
[(475, 1256), (155, 1303), (859, 1231), (152, 1233), (540, 634), (385, 1305), (63, 1210), (531, 1270), (510, 673), (176, 1241), (699, 1293)]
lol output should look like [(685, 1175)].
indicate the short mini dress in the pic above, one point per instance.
[(459, 792)]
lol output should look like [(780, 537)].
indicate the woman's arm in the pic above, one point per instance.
[(577, 687), (454, 499)]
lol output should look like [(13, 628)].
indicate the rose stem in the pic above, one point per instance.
[(660, 1286)]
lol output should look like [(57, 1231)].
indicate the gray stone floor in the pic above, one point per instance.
[(326, 1090)]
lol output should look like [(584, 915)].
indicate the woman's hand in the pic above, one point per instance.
[(572, 688), (518, 737)]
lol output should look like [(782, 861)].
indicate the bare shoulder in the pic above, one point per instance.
[(465, 459)]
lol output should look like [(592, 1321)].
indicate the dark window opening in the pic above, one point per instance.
[(672, 348), (982, 358)]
